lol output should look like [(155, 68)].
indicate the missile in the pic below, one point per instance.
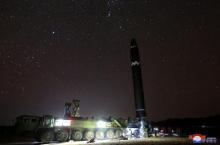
[(137, 80)]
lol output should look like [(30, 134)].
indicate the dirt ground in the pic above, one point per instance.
[(149, 141)]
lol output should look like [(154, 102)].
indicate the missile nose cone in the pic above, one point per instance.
[(133, 42)]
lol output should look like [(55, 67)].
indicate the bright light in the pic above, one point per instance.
[(61, 122), (156, 128), (130, 132), (66, 122), (101, 124)]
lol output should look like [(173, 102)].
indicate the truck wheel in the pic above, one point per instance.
[(77, 135), (99, 134), (89, 134), (62, 135), (47, 136), (118, 133), (110, 134)]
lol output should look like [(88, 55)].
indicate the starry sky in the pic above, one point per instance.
[(52, 51)]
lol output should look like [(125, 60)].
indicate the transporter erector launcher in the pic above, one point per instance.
[(137, 80)]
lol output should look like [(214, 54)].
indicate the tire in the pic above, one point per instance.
[(88, 135), (62, 135), (100, 134), (118, 133), (46, 136), (109, 134), (77, 135)]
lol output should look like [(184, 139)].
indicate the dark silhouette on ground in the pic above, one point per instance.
[(209, 126)]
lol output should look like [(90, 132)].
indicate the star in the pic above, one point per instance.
[(83, 46)]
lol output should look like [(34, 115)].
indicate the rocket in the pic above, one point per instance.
[(137, 80)]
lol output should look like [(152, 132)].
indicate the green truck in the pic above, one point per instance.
[(71, 127)]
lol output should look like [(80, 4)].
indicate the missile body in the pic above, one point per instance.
[(137, 80)]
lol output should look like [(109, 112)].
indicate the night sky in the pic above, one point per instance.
[(52, 51)]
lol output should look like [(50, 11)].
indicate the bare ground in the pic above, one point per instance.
[(149, 141)]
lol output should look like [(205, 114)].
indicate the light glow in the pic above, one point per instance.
[(61, 122), (58, 122), (101, 124), (156, 128), (66, 122), (129, 132)]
